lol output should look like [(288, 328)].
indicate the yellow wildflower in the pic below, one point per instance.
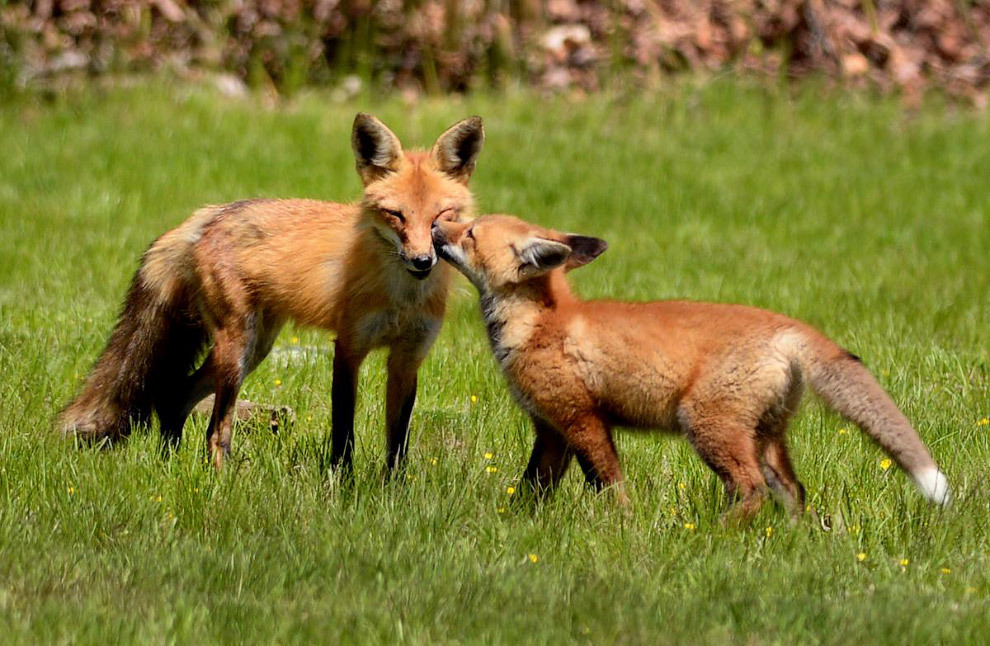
[(295, 339), (885, 463), (843, 431), (474, 399), (501, 510), (510, 490), (533, 558), (769, 532), (491, 469), (489, 455), (682, 485), (945, 570), (71, 490), (984, 422), (689, 526), (278, 382), (433, 461), (905, 562), (861, 557)]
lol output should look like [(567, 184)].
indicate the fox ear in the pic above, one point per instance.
[(541, 255), (457, 149), (376, 149), (584, 249)]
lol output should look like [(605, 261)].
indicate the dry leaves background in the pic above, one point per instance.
[(436, 46)]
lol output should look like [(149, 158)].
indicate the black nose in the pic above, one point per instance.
[(422, 263)]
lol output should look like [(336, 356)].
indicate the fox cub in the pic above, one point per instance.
[(728, 377), (230, 276)]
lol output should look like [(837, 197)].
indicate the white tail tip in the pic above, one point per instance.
[(934, 485)]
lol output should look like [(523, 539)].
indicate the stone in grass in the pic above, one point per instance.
[(277, 418)]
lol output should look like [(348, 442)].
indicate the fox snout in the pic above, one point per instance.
[(419, 265), (445, 235)]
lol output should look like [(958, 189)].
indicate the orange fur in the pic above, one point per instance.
[(232, 275), (728, 377)]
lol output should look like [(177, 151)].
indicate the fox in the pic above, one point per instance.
[(727, 377), (224, 282)]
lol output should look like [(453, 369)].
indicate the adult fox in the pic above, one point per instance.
[(728, 377), (232, 275)]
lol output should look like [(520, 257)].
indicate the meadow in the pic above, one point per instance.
[(843, 210)]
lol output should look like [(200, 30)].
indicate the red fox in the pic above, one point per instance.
[(728, 377), (230, 276)]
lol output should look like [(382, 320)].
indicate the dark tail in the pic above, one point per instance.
[(146, 362), (848, 387)]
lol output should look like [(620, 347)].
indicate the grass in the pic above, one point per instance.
[(838, 209)]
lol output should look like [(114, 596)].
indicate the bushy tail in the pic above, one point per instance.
[(146, 362), (847, 386)]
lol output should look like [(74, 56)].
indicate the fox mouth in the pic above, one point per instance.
[(419, 274)]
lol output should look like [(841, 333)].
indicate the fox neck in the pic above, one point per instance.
[(512, 315)]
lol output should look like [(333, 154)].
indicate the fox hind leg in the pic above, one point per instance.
[(729, 447)]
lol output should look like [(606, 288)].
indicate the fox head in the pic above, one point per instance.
[(405, 193), (497, 252)]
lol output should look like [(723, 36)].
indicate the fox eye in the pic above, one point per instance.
[(395, 214), (469, 233)]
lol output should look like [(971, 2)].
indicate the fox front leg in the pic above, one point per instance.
[(343, 395), (403, 366)]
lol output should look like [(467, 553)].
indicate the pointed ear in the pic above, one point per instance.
[(584, 249), (456, 150), (540, 255), (376, 149)]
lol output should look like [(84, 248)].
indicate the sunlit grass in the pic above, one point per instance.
[(844, 211)]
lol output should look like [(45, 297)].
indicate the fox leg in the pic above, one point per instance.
[(173, 414), (229, 358), (343, 395), (591, 440), (779, 474), (201, 383), (549, 461), (400, 398), (729, 448)]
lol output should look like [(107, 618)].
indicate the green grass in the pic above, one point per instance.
[(841, 210)]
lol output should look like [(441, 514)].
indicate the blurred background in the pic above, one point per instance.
[(429, 47)]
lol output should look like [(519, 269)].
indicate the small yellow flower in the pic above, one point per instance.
[(195, 489), (157, 498), (769, 532), (491, 469), (71, 490), (905, 562), (843, 431), (278, 382), (533, 558), (433, 461), (474, 399), (689, 526), (945, 570), (682, 485), (489, 455), (861, 557), (984, 422), (309, 418), (295, 340), (501, 510), (510, 490), (885, 463), (410, 477)]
